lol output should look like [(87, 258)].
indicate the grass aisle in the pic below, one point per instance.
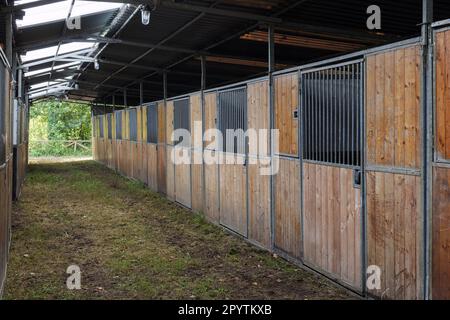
[(131, 243)]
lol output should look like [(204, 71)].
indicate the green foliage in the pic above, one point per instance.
[(59, 121)]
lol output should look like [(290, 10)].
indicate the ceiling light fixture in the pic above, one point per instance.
[(145, 15)]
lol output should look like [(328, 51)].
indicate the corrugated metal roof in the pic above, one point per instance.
[(318, 20)]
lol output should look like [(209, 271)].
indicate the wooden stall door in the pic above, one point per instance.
[(393, 172), (440, 282), (152, 166), (233, 194), (332, 218), (182, 165), (182, 173), (332, 105)]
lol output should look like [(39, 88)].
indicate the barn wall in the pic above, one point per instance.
[(312, 212), (394, 158), (6, 174), (440, 252)]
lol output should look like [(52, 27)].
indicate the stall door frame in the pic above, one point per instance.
[(224, 154), (358, 170), (185, 202)]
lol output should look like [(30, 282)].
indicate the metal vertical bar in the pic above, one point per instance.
[(327, 128), (125, 103), (427, 127), (336, 116), (314, 144), (349, 111), (353, 96)]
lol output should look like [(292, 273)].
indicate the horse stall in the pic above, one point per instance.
[(331, 164), (6, 165), (346, 190)]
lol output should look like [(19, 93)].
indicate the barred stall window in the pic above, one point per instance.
[(152, 123), (109, 117), (118, 125), (2, 114), (232, 115), (133, 124), (332, 111), (181, 117), (101, 126)]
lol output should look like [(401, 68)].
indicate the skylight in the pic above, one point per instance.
[(70, 65), (60, 10), (51, 51)]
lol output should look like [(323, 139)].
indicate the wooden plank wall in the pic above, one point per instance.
[(182, 180), (233, 193), (441, 234), (287, 229), (170, 173), (6, 178), (393, 138), (259, 199), (5, 217), (440, 279), (197, 165), (332, 218), (442, 40), (393, 232), (393, 109), (286, 102), (152, 166), (211, 170)]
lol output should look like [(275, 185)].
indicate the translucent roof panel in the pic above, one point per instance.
[(51, 51), (60, 11), (70, 65)]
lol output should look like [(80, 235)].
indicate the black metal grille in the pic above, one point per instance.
[(133, 124), (232, 115), (181, 118), (100, 122), (109, 126), (118, 125), (332, 109), (152, 123)]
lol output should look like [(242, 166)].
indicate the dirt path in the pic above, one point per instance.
[(130, 243)]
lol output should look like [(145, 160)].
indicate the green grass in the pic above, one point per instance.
[(131, 243)]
